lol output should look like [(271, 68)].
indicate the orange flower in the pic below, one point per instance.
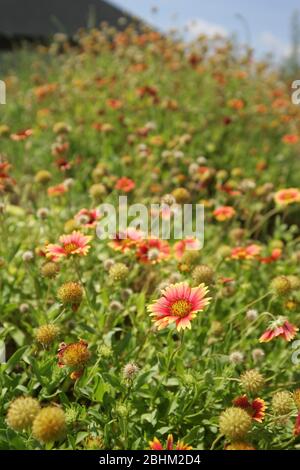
[(156, 444), (236, 103), (224, 213), (255, 408), (280, 327), (179, 303), (57, 190), (287, 196), (73, 244), (290, 139), (125, 184)]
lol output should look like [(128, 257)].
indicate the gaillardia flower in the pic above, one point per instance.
[(74, 244), (288, 196), (180, 445), (279, 328), (179, 303), (255, 408), (224, 213), (73, 355)]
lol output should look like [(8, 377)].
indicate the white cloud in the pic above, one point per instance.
[(199, 26), (274, 44)]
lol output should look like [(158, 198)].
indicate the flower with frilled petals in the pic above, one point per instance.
[(74, 244), (287, 196), (255, 408), (157, 445), (279, 328), (179, 303), (224, 213)]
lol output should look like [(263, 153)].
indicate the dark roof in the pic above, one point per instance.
[(43, 18)]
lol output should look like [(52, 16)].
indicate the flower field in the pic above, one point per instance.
[(138, 342)]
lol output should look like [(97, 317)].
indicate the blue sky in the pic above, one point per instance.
[(268, 21)]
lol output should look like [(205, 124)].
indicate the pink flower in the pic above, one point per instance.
[(280, 327), (179, 303), (74, 244)]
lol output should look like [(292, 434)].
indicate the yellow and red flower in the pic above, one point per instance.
[(224, 213), (157, 445), (255, 408), (280, 327), (287, 196), (74, 244), (179, 303)]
